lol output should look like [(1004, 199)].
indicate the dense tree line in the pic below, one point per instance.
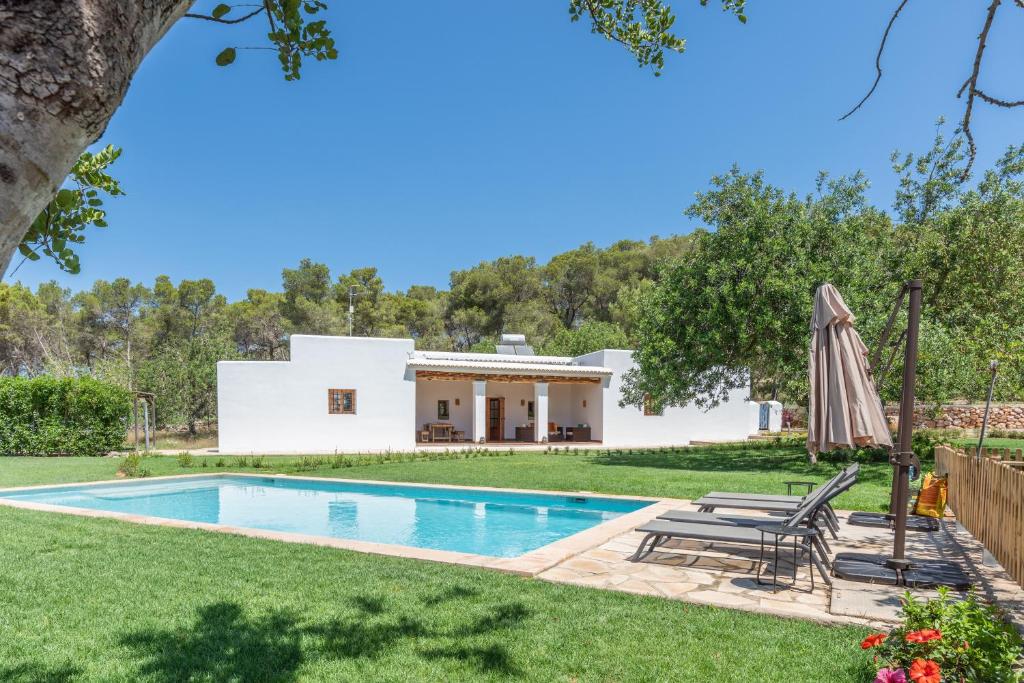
[(702, 309), (166, 338)]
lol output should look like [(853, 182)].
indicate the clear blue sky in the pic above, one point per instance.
[(451, 132)]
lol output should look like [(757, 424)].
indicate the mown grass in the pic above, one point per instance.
[(680, 473), (972, 442), (100, 600)]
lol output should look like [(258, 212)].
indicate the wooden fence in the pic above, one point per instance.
[(987, 496)]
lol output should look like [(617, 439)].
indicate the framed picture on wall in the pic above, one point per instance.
[(442, 410)]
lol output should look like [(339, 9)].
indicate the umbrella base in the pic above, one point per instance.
[(884, 521), (864, 568)]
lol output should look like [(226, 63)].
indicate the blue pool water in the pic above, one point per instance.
[(490, 523)]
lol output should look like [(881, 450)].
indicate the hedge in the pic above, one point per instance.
[(69, 416)]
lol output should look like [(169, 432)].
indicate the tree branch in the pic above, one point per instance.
[(971, 86), (239, 20), (996, 101), (878, 59), (594, 13)]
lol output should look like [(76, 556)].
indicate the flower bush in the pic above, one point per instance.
[(946, 640)]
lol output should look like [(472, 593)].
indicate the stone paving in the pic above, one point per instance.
[(725, 575)]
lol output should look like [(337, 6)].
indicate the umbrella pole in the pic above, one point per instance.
[(905, 452)]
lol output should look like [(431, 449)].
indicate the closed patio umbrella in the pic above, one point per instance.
[(844, 410)]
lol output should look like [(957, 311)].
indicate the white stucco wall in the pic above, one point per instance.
[(281, 406), (628, 426)]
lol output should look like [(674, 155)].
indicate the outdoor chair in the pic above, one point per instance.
[(778, 504), (554, 432), (817, 502), (659, 531)]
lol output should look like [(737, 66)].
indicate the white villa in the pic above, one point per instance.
[(343, 394)]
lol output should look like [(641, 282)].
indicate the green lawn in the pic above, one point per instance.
[(100, 600), (685, 473), (990, 443)]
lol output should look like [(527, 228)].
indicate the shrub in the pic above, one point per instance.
[(923, 444), (958, 640), (67, 416), (1006, 434), (185, 459), (132, 467)]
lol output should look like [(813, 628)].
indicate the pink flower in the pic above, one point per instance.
[(890, 676)]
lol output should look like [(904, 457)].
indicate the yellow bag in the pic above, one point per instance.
[(931, 499)]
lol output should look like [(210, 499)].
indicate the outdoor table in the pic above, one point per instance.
[(577, 433), (790, 484), (440, 431), (802, 537)]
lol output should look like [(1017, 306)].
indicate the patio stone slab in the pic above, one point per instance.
[(725, 576)]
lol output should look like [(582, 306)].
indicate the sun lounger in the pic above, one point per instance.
[(849, 471), (658, 531), (751, 501), (817, 502), (723, 529)]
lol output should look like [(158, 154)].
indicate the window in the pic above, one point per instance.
[(341, 401), (650, 408), (529, 411), (442, 410)]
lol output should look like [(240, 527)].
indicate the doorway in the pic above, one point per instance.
[(495, 419)]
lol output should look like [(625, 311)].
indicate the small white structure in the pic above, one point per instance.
[(348, 394), (774, 416)]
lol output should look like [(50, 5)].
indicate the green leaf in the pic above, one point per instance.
[(66, 199), (226, 56), (220, 10)]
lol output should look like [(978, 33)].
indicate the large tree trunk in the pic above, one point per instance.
[(65, 66)]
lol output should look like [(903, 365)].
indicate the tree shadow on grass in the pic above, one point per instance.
[(491, 659), (39, 673), (449, 594), (226, 644), (365, 639), (502, 617)]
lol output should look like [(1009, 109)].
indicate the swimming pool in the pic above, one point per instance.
[(486, 522)]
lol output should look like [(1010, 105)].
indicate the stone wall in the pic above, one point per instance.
[(961, 416)]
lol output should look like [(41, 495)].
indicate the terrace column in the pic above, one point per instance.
[(479, 410), (540, 411)]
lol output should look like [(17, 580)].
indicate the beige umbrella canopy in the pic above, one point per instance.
[(844, 410)]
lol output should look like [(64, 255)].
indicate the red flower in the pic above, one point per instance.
[(874, 640), (924, 635), (925, 671)]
